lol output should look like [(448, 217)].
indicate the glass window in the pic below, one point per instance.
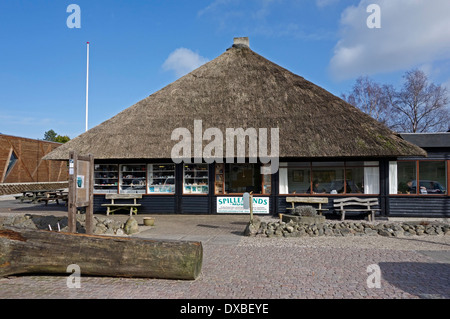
[(195, 179), (219, 178), (106, 178), (241, 178), (132, 179), (403, 177), (266, 183), (329, 178), (12, 161), (406, 177), (161, 178), (299, 180), (432, 177), (354, 177)]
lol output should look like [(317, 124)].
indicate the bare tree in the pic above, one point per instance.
[(419, 106), (370, 97)]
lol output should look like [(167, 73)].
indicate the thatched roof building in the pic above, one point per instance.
[(327, 147), (242, 89)]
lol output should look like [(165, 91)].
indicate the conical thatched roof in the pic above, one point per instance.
[(241, 89)]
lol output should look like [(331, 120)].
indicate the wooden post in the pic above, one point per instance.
[(90, 207), (80, 200), (251, 207), (72, 222)]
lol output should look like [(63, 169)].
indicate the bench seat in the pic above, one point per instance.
[(355, 204), (308, 200), (112, 207)]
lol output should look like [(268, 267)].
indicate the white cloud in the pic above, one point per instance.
[(412, 33), (183, 61), (325, 3)]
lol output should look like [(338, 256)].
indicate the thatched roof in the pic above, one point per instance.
[(241, 89)]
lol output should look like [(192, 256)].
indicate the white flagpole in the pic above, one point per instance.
[(87, 86)]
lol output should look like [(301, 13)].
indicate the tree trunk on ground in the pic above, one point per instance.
[(38, 251)]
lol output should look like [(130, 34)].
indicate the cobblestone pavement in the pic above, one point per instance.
[(271, 268)]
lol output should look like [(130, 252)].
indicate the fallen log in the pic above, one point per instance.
[(38, 251)]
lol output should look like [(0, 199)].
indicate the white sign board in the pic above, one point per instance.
[(235, 205)]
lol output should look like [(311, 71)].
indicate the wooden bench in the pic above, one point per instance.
[(112, 207), (308, 200), (354, 204)]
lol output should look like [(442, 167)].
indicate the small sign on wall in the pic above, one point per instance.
[(80, 181)]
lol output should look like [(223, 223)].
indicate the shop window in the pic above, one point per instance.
[(417, 177), (329, 178), (106, 178), (132, 179), (195, 179), (241, 178), (161, 178)]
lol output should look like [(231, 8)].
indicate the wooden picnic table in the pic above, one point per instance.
[(35, 196), (56, 196)]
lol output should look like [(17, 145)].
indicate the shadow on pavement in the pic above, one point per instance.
[(425, 280)]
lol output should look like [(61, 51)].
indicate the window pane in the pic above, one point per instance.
[(355, 180), (299, 180), (328, 180), (328, 164), (354, 164), (241, 178), (432, 177), (161, 178), (297, 164), (266, 183), (132, 179), (12, 161), (195, 178), (406, 177), (106, 178)]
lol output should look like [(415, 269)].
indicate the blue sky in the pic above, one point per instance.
[(138, 47)]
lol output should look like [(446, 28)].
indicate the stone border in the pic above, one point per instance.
[(345, 228), (102, 225)]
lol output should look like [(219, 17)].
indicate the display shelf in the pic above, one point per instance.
[(106, 178), (195, 179), (132, 179), (161, 178), (219, 183)]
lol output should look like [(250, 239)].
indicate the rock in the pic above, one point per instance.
[(252, 228), (412, 231), (131, 226), (100, 228), (109, 231), (384, 232), (398, 232), (346, 232), (370, 232)]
